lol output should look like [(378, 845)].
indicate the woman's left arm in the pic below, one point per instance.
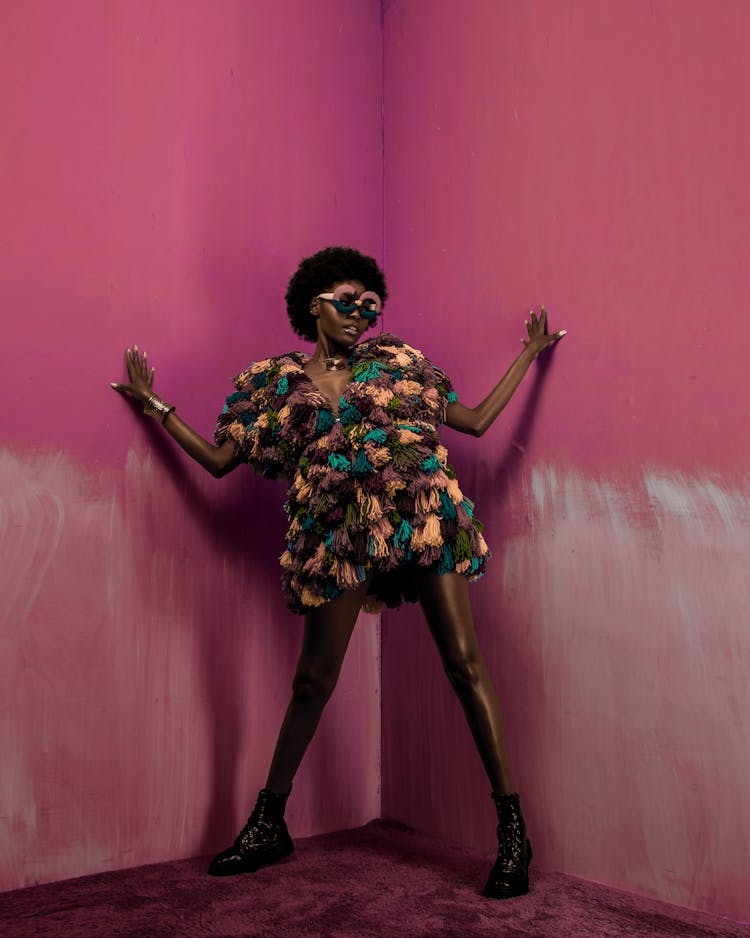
[(477, 420)]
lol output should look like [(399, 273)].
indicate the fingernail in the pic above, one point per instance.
[(113, 385), (563, 332)]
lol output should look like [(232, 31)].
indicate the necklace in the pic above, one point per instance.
[(336, 364)]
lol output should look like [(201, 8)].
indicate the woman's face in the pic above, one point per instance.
[(344, 329)]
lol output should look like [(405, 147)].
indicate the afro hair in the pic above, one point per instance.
[(319, 271)]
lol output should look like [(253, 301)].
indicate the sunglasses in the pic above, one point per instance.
[(345, 300)]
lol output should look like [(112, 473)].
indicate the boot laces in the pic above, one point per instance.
[(510, 837), (261, 823)]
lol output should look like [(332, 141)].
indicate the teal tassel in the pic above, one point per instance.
[(408, 426), (348, 413), (337, 461), (448, 509), (376, 436), (430, 464), (403, 534), (451, 397), (366, 372), (447, 562), (330, 590), (237, 397), (468, 507), (325, 421), (283, 386), (362, 465)]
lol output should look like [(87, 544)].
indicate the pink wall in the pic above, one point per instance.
[(165, 166), (591, 156)]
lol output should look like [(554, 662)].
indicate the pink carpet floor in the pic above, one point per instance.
[(379, 880)]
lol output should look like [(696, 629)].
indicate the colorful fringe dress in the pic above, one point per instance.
[(370, 485)]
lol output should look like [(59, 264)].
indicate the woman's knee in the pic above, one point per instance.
[(310, 685), (465, 672)]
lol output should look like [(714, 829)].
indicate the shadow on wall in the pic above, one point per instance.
[(244, 525)]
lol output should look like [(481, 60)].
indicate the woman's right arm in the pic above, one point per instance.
[(218, 460)]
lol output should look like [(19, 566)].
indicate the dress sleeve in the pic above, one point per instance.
[(444, 387), (250, 421), (438, 389)]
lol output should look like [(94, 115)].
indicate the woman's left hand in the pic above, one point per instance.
[(141, 377), (538, 339)]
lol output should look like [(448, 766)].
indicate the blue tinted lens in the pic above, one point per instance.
[(343, 308)]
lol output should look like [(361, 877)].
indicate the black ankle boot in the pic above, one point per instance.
[(263, 839), (510, 875)]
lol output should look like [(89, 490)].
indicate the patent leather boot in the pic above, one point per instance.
[(262, 840), (510, 875)]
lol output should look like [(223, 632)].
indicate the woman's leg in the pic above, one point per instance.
[(265, 838), (328, 629), (445, 602)]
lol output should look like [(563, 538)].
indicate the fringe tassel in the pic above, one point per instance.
[(403, 534), (378, 455), (347, 575), (362, 465), (447, 508), (427, 535), (427, 501), (454, 491), (309, 598), (370, 508), (408, 436), (339, 462), (314, 566), (462, 546), (341, 543), (378, 546), (286, 560), (447, 561)]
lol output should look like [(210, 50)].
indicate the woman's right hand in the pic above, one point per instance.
[(141, 379)]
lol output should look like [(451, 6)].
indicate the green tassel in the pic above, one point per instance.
[(462, 546)]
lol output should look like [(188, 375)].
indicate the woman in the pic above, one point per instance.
[(376, 517)]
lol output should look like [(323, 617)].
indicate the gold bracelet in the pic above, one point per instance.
[(154, 406)]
